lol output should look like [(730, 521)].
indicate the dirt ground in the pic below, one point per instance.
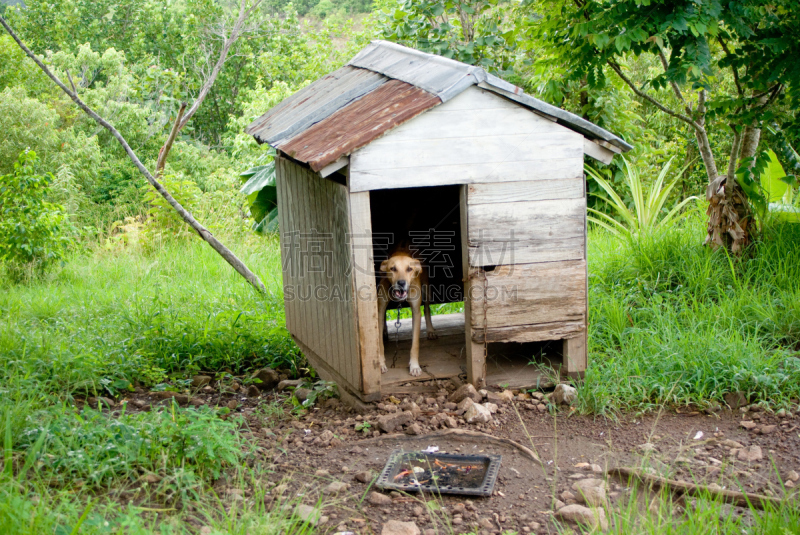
[(310, 454)]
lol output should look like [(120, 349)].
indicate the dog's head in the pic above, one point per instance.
[(400, 270)]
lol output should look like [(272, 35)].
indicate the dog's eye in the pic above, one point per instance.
[(408, 269), (393, 268)]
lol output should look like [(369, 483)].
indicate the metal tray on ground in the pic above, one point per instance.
[(441, 473)]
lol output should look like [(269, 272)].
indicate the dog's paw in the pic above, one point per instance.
[(384, 369), (415, 371), (433, 336)]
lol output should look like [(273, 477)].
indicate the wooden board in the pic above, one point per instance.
[(475, 352), (445, 325), (316, 259), (527, 232), (530, 294), (475, 137), (529, 190)]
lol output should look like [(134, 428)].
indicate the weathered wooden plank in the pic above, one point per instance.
[(575, 357), (323, 277), (464, 173), (365, 292), (529, 294), (284, 226), (331, 168), (529, 190), (558, 330), (475, 353), (597, 151), (423, 152), (527, 232), (445, 325)]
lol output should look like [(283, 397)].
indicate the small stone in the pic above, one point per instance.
[(781, 413), (591, 516), (253, 391), (389, 422), (767, 429), (395, 527), (364, 476), (376, 498), (450, 406), (541, 407), (583, 466), (465, 391), (728, 443), (302, 394), (591, 491), (322, 473), (747, 424), (646, 447), (566, 496), (793, 476), (491, 406), (558, 504), (477, 413), (308, 514), (196, 402), (232, 404), (287, 383), (414, 429), (735, 399), (494, 397), (280, 489), (418, 511), (485, 523), (199, 381), (266, 379), (507, 396), (751, 454), (465, 404), (450, 422), (596, 468), (336, 487), (789, 484), (564, 394)]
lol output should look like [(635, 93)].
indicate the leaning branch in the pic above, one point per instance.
[(229, 257), (162, 154), (616, 68)]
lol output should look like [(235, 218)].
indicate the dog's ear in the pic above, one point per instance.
[(385, 266), (416, 265)]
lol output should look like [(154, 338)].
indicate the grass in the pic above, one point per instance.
[(671, 322)]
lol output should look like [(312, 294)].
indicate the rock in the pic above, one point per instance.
[(450, 406), (589, 516), (566, 496), (302, 394), (280, 489), (266, 379), (591, 491), (735, 399), (465, 391), (376, 498), (325, 437), (596, 468), (364, 476), (322, 473), (558, 504), (485, 523), (767, 429), (477, 413), (199, 381), (728, 443), (491, 407), (232, 404), (494, 397), (793, 476), (395, 527), (196, 402), (308, 514), (286, 383), (336, 487), (418, 510), (564, 394), (646, 447), (389, 422), (465, 404), (789, 484), (541, 407), (106, 402), (414, 429), (747, 424), (507, 396), (781, 413), (751, 454), (253, 391)]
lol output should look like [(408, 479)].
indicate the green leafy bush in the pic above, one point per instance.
[(30, 227)]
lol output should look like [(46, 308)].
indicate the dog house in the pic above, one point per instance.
[(484, 182)]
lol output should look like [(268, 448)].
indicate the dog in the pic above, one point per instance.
[(404, 279)]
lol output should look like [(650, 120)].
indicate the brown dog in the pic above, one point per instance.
[(405, 279)]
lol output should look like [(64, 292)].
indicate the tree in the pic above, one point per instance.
[(754, 43), (244, 11)]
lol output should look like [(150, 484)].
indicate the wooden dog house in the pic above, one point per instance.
[(496, 175)]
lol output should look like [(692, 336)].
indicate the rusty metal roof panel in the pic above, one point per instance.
[(359, 123), (313, 103)]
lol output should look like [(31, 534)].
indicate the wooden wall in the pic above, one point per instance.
[(477, 137), (318, 282)]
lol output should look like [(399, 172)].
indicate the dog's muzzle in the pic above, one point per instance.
[(399, 292)]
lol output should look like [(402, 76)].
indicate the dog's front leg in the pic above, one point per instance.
[(382, 305), (413, 363)]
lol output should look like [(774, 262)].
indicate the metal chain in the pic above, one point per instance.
[(396, 337), (485, 328)]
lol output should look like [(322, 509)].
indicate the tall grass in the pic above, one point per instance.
[(672, 321)]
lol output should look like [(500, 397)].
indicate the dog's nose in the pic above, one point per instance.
[(402, 284)]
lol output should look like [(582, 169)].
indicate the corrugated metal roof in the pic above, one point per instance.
[(313, 103), (358, 123), (384, 85)]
